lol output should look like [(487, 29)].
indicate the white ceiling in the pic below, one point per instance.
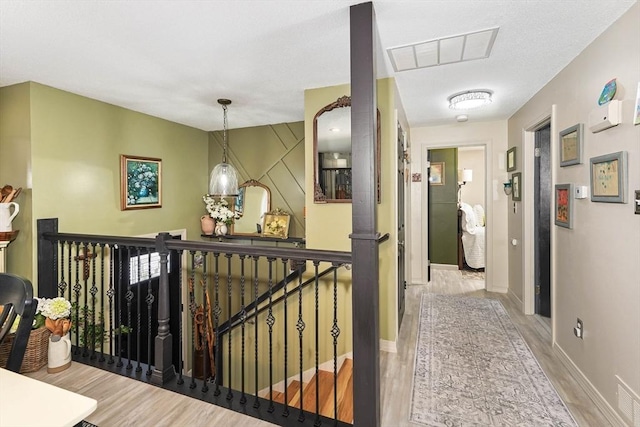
[(174, 59)]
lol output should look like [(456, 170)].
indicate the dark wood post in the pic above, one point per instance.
[(47, 269), (163, 369), (364, 239)]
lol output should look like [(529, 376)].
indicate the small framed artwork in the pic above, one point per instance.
[(636, 112), (564, 205), (511, 159), (276, 225), (140, 182), (238, 205), (571, 145), (436, 173), (609, 178), (516, 184)]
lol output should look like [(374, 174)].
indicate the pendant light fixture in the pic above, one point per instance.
[(223, 181)]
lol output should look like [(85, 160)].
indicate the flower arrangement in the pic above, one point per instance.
[(219, 210), (276, 226), (54, 314), (142, 181)]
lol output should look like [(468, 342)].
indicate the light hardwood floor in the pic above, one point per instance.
[(125, 402)]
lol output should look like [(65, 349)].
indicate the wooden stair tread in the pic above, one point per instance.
[(277, 397), (293, 393), (344, 374), (345, 400), (324, 380)]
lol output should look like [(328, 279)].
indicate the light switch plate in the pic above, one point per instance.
[(637, 202)]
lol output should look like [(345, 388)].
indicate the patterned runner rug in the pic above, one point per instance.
[(473, 368)]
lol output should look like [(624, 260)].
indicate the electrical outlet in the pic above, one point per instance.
[(578, 331)]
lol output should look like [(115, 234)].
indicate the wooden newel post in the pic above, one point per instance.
[(47, 268), (163, 369)]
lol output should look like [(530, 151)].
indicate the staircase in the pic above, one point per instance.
[(325, 381)]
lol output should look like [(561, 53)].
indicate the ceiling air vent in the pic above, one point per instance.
[(446, 50)]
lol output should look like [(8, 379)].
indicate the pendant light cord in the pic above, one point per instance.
[(224, 135)]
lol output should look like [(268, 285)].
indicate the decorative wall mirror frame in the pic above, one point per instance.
[(254, 200), (332, 153)]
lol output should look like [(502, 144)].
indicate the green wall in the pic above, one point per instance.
[(329, 224), (443, 210), (76, 143), (273, 155)]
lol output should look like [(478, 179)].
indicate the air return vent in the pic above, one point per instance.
[(628, 403)]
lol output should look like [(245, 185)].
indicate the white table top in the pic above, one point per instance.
[(26, 402)]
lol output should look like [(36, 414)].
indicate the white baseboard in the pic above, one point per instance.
[(514, 298), (444, 266), (610, 414), (388, 346)]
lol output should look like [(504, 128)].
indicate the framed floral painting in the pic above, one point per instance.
[(276, 225), (140, 182)]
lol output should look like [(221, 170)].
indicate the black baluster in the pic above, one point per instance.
[(243, 318), (149, 300), (180, 361), (317, 422), (228, 256), (300, 326), (96, 328), (285, 412), (103, 334), (129, 298), (256, 403), (69, 278), (335, 332), (192, 310), (61, 284), (270, 322), (76, 291), (85, 293), (139, 312), (112, 307), (216, 325), (119, 305)]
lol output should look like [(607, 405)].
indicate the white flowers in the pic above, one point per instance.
[(219, 210), (54, 308)]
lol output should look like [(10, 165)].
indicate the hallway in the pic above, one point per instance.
[(396, 369)]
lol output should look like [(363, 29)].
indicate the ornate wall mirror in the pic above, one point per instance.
[(332, 153), (253, 201)]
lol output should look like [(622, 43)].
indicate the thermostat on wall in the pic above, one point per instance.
[(581, 191), (605, 117)]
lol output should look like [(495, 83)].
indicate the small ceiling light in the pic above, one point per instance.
[(470, 99), (462, 118), (334, 130), (224, 178)]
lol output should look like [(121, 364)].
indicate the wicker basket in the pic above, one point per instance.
[(35, 356)]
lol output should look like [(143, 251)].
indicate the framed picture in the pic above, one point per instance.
[(516, 184), (511, 159), (636, 112), (564, 205), (609, 178), (140, 182), (238, 205), (276, 225), (571, 145), (436, 173)]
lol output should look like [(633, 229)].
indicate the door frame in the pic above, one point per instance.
[(528, 255), (488, 204)]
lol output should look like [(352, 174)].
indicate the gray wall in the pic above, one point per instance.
[(596, 265)]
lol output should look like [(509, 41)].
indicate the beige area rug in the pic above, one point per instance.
[(473, 368)]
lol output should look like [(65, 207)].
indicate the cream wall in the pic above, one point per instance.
[(472, 158), (596, 265), (491, 135), (328, 225), (76, 144)]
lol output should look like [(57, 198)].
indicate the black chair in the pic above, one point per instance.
[(16, 297)]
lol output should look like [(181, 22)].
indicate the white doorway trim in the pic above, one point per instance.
[(488, 204)]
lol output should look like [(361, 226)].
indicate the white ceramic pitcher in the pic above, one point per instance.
[(6, 216), (59, 353)]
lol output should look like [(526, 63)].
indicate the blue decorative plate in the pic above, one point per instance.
[(608, 92)]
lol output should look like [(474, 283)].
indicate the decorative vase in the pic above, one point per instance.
[(59, 353), (221, 229), (208, 224)]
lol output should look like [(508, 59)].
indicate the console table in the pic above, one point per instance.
[(297, 242)]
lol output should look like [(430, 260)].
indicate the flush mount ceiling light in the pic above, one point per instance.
[(470, 99), (445, 50), (224, 178)]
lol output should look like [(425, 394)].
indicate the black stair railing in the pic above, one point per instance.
[(248, 312)]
